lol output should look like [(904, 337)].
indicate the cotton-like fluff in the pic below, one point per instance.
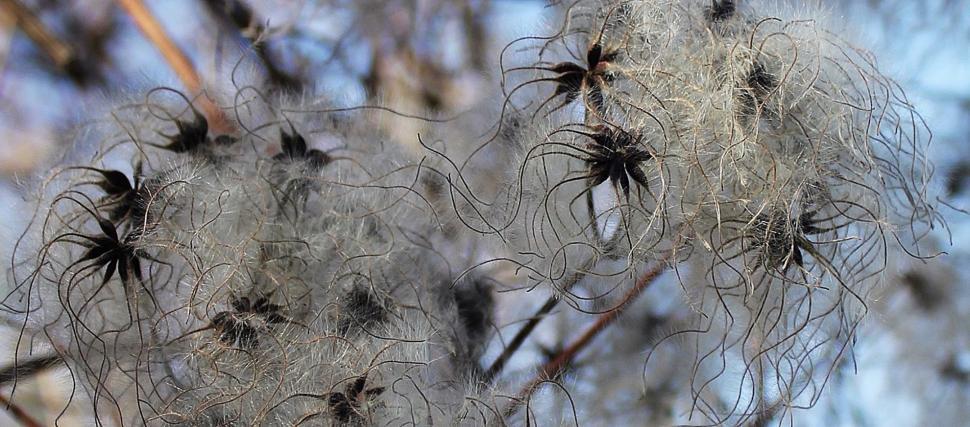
[(286, 269), (745, 143)]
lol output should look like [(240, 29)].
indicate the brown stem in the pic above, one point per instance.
[(61, 54), (533, 321), (519, 338), (176, 59), (566, 356), (18, 413), (237, 14), (58, 51), (29, 368)]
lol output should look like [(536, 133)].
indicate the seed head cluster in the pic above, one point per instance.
[(297, 265)]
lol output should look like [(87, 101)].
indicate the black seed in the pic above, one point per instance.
[(317, 159), (760, 80), (956, 180), (190, 136), (114, 183), (721, 10), (269, 312), (954, 372), (357, 386), (241, 305), (757, 85), (294, 148), (927, 297), (361, 310), (342, 409), (434, 185), (293, 144), (232, 330), (138, 204), (474, 303)]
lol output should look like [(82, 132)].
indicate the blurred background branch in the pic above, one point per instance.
[(176, 59), (64, 57)]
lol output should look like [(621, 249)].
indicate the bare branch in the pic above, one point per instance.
[(175, 57), (565, 357)]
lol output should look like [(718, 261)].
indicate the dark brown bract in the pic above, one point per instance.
[(591, 80), (618, 156), (239, 327)]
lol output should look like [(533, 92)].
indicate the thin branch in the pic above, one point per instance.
[(29, 368), (565, 357), (526, 330), (58, 51), (153, 30), (476, 37), (18, 413), (519, 339), (237, 14), (62, 55), (175, 57)]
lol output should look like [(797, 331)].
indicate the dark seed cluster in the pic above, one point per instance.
[(294, 263)]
